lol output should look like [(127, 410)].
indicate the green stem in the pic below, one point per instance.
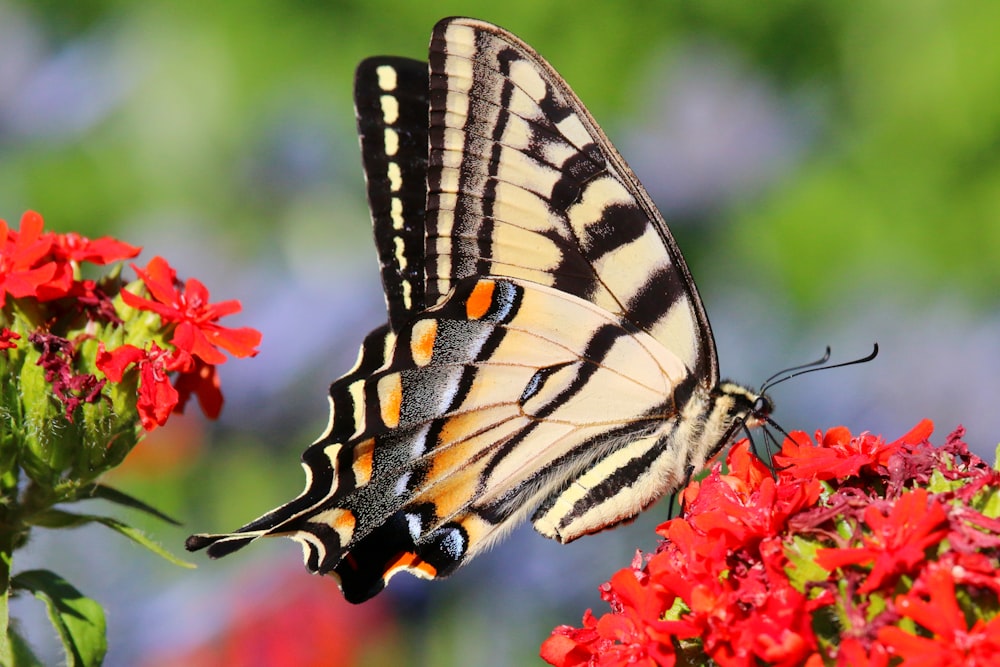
[(8, 538)]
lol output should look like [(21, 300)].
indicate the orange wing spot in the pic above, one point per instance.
[(422, 342), (342, 521), (390, 399), (412, 562), (480, 300), (345, 522), (362, 465)]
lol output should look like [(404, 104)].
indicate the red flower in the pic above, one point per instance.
[(972, 569), (568, 646), (196, 331), (852, 653), (841, 455), (739, 509), (953, 643), (42, 265), (636, 635), (73, 247), (157, 397), (22, 271), (765, 620), (202, 380), (746, 576), (897, 541), (742, 607)]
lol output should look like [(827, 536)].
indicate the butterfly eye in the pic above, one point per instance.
[(762, 407)]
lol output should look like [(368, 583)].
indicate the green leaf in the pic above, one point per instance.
[(677, 609), (122, 498), (802, 566), (54, 518), (78, 619), (938, 483), (990, 504), (140, 538)]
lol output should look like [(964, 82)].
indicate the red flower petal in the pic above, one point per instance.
[(114, 363), (197, 330), (919, 433), (77, 248)]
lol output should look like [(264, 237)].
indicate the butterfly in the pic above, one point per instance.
[(546, 353)]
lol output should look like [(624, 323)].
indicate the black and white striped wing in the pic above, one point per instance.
[(523, 183), (546, 355)]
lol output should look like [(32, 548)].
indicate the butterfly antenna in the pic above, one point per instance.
[(813, 367), (819, 362)]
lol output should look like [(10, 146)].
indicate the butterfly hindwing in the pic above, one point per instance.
[(479, 413)]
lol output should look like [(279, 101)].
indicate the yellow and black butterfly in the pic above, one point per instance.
[(546, 352)]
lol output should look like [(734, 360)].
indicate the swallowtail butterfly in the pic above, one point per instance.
[(546, 352)]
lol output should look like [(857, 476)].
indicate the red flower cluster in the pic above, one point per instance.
[(88, 367), (856, 552), (45, 267), (196, 337), (42, 265)]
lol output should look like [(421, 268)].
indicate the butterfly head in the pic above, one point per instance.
[(745, 406), (739, 408)]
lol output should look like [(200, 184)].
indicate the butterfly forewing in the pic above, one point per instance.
[(390, 102), (391, 107), (523, 183)]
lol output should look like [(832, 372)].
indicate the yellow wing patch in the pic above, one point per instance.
[(422, 341), (390, 399)]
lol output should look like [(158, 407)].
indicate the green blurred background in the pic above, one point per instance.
[(831, 169)]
